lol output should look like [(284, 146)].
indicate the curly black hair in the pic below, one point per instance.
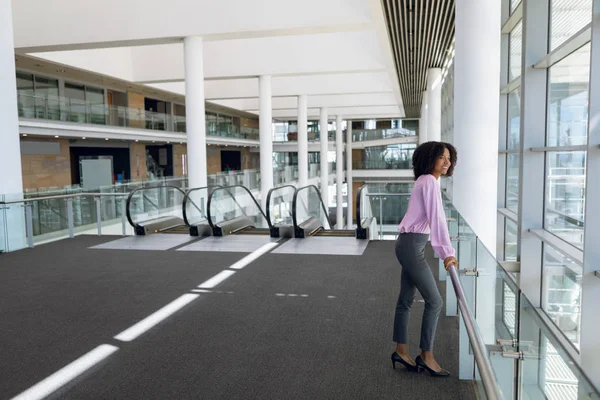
[(426, 154)]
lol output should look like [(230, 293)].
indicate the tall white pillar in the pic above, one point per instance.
[(350, 211), (590, 324), (324, 138), (477, 87), (266, 139), (423, 120), (339, 172), (11, 183), (476, 124), (434, 104), (302, 141), (193, 48)]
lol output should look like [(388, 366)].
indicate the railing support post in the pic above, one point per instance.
[(99, 215), (123, 215), (29, 221), (70, 218)]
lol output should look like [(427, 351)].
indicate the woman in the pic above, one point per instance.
[(425, 215)]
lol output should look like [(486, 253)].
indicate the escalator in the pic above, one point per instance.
[(279, 211), (366, 224), (156, 210), (310, 215), (233, 210), (195, 215)]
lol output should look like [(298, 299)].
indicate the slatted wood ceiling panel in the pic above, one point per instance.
[(421, 32)]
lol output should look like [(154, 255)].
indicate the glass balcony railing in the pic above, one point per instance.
[(65, 109), (379, 134), (511, 349), (382, 164), (56, 213)]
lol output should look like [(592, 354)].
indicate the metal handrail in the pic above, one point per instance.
[(294, 204), (63, 196), (187, 198), (490, 384), (269, 195), (227, 189), (130, 197)]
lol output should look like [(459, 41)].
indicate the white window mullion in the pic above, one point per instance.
[(590, 299)]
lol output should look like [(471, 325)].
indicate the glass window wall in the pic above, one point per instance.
[(561, 293), (568, 92), (565, 195), (515, 52), (567, 17)]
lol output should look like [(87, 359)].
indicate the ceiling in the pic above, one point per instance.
[(337, 52), (421, 32)]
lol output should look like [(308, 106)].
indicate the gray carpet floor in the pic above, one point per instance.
[(294, 326)]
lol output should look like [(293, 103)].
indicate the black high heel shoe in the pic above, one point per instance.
[(396, 358), (441, 374)]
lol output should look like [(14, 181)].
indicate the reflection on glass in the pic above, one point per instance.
[(280, 205), (567, 18), (513, 5), (547, 372), (565, 195), (230, 203), (561, 292), (514, 120), (395, 156), (512, 182), (568, 100), (509, 309), (510, 240), (515, 51), (309, 206)]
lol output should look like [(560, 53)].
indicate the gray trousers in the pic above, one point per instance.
[(416, 274)]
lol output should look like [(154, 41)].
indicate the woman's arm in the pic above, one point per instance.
[(434, 209)]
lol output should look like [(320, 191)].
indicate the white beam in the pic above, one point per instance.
[(339, 174), (160, 63), (266, 139), (128, 22), (11, 184), (195, 116), (302, 141)]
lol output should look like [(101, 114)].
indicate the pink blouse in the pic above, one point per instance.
[(425, 214)]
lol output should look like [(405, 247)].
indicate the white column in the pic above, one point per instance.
[(339, 172), (266, 138), (477, 87), (423, 120), (590, 324), (350, 216), (476, 122), (434, 104), (11, 183), (302, 141), (324, 138), (194, 110)]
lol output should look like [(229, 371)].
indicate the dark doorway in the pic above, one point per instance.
[(159, 161), (231, 160)]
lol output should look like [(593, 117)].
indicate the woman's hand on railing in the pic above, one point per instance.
[(448, 261)]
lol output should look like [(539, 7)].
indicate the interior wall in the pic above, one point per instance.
[(47, 168), (136, 101), (137, 156)]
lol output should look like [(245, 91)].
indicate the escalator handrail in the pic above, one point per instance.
[(227, 188), (268, 211), (358, 197), (294, 203), (127, 211), (185, 200)]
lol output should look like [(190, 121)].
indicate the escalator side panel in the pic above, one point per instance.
[(232, 226)]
